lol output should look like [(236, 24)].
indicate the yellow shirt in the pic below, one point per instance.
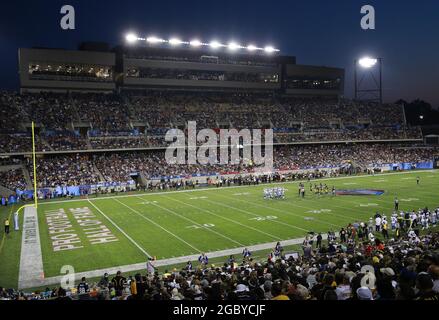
[(281, 297), (133, 287), (7, 223)]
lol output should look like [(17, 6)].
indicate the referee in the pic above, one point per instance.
[(6, 226)]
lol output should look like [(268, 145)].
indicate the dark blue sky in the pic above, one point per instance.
[(319, 32)]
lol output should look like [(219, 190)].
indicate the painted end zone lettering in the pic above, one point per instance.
[(63, 234)]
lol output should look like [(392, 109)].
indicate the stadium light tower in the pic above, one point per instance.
[(368, 79)]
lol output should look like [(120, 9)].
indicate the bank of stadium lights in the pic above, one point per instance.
[(195, 43), (131, 38), (251, 47), (367, 62), (214, 44)]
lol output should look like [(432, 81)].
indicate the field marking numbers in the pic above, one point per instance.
[(157, 225), (409, 199), (198, 224), (225, 218), (264, 218), (369, 205), (148, 202), (205, 225), (320, 211)]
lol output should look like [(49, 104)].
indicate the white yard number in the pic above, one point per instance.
[(199, 226), (147, 202), (264, 218), (368, 205), (320, 211), (409, 199)]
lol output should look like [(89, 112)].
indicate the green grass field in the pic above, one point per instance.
[(174, 224)]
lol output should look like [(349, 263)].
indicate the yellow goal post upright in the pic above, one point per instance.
[(35, 204)]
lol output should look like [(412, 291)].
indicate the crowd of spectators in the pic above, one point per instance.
[(66, 170), (119, 142), (66, 142), (363, 155), (348, 267), (77, 169), (13, 179), (110, 113), (373, 133)]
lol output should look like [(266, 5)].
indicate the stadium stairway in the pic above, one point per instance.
[(46, 144), (27, 177), (101, 177), (5, 191)]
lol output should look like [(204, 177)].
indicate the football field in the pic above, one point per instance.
[(104, 233)]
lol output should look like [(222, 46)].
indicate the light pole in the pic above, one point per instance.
[(363, 70)]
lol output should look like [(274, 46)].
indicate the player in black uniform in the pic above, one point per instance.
[(83, 289)]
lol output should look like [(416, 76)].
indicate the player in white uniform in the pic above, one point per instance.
[(393, 222)]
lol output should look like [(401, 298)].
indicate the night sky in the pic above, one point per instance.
[(318, 32)]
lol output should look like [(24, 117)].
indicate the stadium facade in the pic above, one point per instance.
[(101, 69)]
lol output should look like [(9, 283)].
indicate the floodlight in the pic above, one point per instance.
[(269, 49), (175, 41), (154, 40), (215, 44), (233, 46), (195, 43), (367, 62), (251, 47), (131, 37)]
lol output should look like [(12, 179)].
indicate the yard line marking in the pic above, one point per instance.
[(158, 225), (196, 223), (231, 187), (282, 211), (228, 219), (256, 215), (120, 229)]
